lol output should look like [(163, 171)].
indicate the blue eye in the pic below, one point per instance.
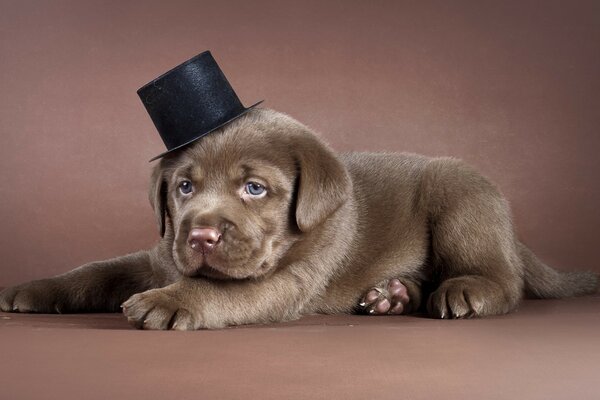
[(185, 187), (255, 189)]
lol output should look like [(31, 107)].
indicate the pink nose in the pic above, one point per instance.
[(203, 239)]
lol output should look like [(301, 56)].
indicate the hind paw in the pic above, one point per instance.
[(388, 297), (468, 297)]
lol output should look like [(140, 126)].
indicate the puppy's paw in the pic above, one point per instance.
[(157, 309), (467, 297), (388, 297), (43, 296)]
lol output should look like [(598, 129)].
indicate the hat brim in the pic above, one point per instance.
[(205, 133)]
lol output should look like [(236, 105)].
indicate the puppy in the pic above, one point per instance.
[(261, 222)]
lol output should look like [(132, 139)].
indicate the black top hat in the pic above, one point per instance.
[(190, 101)]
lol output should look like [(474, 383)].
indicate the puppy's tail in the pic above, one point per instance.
[(543, 282)]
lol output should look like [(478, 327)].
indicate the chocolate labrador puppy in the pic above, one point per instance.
[(261, 222)]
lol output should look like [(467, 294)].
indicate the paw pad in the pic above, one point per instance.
[(388, 297)]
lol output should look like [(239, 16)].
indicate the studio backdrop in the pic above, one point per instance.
[(511, 87)]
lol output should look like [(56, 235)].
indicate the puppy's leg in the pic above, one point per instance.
[(195, 303), (98, 286), (473, 247), (391, 296)]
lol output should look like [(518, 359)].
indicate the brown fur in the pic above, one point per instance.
[(330, 227)]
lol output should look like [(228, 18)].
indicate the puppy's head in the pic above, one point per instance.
[(235, 201)]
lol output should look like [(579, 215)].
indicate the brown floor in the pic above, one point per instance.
[(549, 349)]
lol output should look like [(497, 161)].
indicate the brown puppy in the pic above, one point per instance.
[(262, 222)]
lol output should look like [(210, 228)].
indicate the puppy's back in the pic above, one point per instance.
[(386, 181)]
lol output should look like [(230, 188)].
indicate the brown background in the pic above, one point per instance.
[(511, 87)]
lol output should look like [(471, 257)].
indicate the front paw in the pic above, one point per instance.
[(157, 309), (42, 296)]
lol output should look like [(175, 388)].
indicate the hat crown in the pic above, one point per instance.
[(190, 101)]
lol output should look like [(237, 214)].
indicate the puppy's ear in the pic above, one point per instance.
[(158, 196), (323, 182)]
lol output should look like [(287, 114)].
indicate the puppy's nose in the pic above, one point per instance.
[(203, 239)]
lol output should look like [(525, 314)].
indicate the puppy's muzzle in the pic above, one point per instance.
[(204, 239)]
